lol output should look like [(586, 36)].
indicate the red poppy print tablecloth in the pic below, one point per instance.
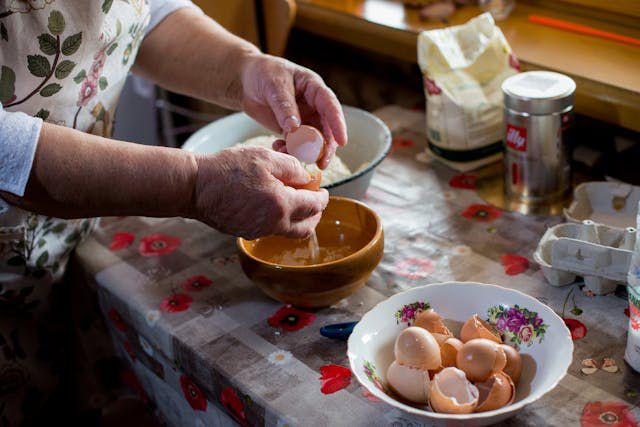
[(209, 348)]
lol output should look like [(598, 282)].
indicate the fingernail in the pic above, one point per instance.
[(291, 123)]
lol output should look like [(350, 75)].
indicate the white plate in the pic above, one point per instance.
[(547, 352), (369, 143)]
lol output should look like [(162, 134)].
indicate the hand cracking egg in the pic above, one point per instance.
[(313, 184), (305, 144)]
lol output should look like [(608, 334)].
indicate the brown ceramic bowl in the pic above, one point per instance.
[(321, 285)]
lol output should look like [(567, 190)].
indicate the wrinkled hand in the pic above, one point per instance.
[(282, 95), (241, 191)]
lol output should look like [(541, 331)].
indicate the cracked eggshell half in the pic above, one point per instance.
[(480, 358), (409, 383), (417, 348), (432, 322), (475, 327), (305, 144), (452, 393), (498, 391), (449, 351), (514, 362)]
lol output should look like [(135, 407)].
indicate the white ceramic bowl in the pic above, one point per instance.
[(547, 352), (369, 143)]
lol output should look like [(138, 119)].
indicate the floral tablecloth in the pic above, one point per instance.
[(210, 349)]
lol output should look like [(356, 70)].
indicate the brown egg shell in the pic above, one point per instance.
[(417, 348), (305, 143), (498, 391), (513, 367), (480, 358), (313, 185), (452, 393), (441, 338), (449, 351), (433, 372), (475, 327), (432, 322), (409, 383)]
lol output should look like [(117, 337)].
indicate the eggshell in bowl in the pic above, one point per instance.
[(432, 322), (452, 393), (480, 358), (441, 338), (417, 348), (475, 327), (409, 383), (498, 391), (514, 363), (449, 351)]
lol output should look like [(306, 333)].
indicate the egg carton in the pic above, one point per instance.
[(599, 253), (608, 203)]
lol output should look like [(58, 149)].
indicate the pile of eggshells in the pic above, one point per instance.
[(475, 373)]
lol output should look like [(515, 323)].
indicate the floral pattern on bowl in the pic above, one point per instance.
[(518, 325), (407, 313), (370, 371)]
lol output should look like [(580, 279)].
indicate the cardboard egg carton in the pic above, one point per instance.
[(609, 203), (599, 253)]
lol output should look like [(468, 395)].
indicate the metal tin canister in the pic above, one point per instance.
[(538, 109)]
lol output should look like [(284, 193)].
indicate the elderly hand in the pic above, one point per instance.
[(248, 192), (282, 95)]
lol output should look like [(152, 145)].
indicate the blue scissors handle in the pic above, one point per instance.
[(338, 331)]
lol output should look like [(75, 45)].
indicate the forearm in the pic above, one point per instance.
[(75, 174), (189, 53)]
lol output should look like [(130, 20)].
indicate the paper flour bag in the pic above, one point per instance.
[(463, 67)]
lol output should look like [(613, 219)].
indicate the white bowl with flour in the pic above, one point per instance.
[(347, 176)]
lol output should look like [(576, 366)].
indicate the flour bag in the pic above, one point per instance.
[(463, 67)]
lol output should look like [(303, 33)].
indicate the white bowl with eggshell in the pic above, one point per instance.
[(369, 143), (541, 337)]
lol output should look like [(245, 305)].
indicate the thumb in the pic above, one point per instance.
[(288, 170), (282, 102)]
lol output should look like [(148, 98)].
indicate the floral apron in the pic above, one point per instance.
[(66, 62)]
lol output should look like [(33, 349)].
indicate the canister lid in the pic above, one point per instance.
[(538, 92)]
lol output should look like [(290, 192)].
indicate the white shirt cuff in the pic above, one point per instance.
[(19, 135), (160, 9)]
